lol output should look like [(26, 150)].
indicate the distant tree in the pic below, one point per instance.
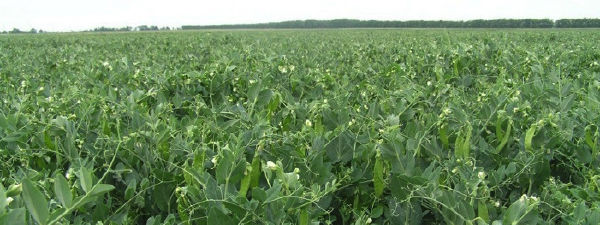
[(33, 31), (142, 28), (15, 31)]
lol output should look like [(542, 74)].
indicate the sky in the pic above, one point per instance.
[(76, 15)]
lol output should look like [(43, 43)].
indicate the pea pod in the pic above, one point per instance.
[(245, 184), (378, 174), (444, 136), (303, 217), (529, 137), (255, 171), (591, 138), (504, 138)]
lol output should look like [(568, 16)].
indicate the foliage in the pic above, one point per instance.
[(351, 23), (301, 127)]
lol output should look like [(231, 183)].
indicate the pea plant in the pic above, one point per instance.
[(301, 127)]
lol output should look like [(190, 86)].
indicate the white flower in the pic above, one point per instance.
[(325, 101), (9, 200), (282, 69), (214, 160), (481, 175), (497, 203), (428, 83), (296, 170), (369, 220), (447, 111), (69, 174), (252, 81), (106, 64), (308, 123), (41, 89), (271, 165)]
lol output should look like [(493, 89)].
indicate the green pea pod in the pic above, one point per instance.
[(482, 211), (466, 146), (462, 144), (499, 131), (378, 175), (529, 137), (245, 182), (255, 172), (444, 136), (303, 217), (183, 207), (505, 137), (458, 144), (591, 134)]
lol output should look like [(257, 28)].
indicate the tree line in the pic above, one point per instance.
[(350, 23), (99, 29)]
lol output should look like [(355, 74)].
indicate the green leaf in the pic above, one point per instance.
[(57, 213), (85, 178), (130, 190), (35, 202), (14, 217), (259, 194), (3, 201), (62, 190), (377, 212), (100, 189), (515, 211)]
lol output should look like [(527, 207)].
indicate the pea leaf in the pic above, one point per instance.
[(85, 178), (35, 201), (14, 217), (100, 189), (62, 190)]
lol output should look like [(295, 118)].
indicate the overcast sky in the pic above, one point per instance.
[(73, 15)]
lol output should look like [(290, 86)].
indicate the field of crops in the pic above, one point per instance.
[(301, 127)]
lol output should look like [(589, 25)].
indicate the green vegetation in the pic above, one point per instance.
[(350, 23), (301, 127)]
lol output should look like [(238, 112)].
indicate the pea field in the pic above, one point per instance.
[(346, 126)]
